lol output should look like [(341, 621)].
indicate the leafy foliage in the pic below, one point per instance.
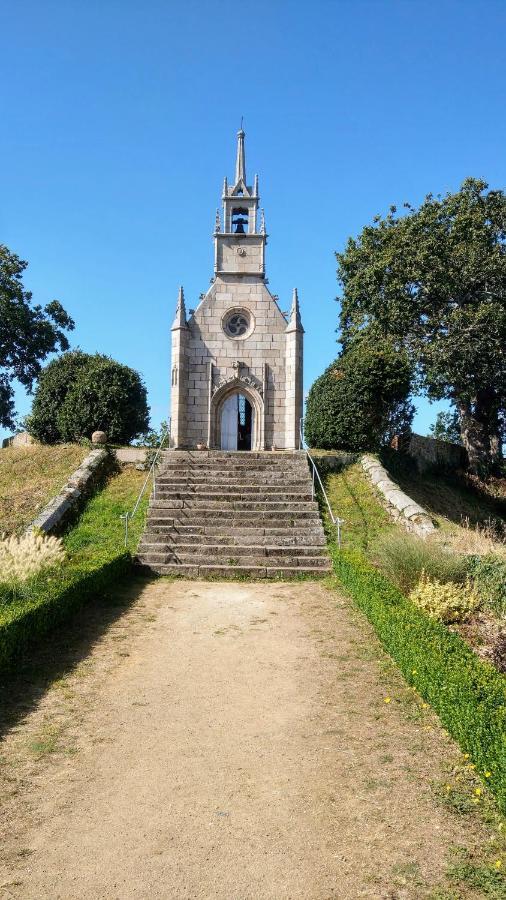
[(28, 334), (447, 427), (79, 393), (445, 601), (489, 575), (360, 398), (435, 279), (467, 693)]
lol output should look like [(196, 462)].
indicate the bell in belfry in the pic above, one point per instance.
[(240, 223)]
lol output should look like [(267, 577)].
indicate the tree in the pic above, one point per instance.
[(79, 393), (447, 427), (435, 279), (360, 397), (28, 334)]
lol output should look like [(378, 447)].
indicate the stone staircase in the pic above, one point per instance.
[(225, 513)]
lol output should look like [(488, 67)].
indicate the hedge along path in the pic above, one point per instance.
[(221, 739)]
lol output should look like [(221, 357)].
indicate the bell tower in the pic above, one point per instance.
[(239, 238)]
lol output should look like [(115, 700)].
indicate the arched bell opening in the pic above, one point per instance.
[(236, 419)]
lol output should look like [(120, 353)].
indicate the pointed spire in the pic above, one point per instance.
[(240, 163), (217, 224), (294, 322), (255, 189), (225, 186), (180, 318), (262, 222)]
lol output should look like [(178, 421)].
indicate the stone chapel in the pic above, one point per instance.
[(236, 369)]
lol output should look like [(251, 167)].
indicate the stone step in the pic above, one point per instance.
[(216, 571), (216, 496), (169, 557), (266, 488), (223, 513), (255, 537), (147, 546), (198, 533), (232, 518), (230, 502)]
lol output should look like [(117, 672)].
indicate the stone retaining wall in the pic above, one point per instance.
[(402, 507), (79, 485)]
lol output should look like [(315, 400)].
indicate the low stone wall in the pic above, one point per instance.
[(402, 507), (133, 455), (429, 453), (80, 483)]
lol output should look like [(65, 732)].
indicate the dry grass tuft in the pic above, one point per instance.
[(25, 556)]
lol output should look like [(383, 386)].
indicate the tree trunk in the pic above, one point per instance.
[(481, 433)]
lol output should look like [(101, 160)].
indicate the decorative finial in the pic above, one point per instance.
[(240, 163), (217, 224), (180, 319), (225, 186), (295, 323), (262, 222), (255, 190)]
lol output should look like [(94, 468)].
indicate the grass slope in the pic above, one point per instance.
[(96, 561), (30, 477), (445, 497), (353, 498)]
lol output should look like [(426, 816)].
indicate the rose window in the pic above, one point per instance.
[(237, 324)]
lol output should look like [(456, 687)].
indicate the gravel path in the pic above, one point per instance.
[(226, 740)]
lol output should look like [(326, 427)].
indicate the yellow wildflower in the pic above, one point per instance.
[(387, 699)]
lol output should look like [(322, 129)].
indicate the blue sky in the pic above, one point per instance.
[(119, 123)]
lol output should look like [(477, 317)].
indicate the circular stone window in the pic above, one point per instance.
[(237, 323)]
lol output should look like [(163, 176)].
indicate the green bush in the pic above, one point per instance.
[(468, 694), (403, 558), (360, 397), (48, 601), (79, 393), (489, 574), (446, 602)]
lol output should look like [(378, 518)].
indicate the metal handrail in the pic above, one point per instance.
[(336, 521), (151, 473)]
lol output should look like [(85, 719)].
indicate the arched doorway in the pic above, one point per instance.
[(237, 420), (242, 422)]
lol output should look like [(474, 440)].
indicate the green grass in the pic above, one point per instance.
[(353, 498), (100, 529)]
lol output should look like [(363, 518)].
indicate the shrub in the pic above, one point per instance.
[(445, 602), (489, 574), (403, 558), (468, 694), (23, 557), (79, 393), (360, 398), (49, 601)]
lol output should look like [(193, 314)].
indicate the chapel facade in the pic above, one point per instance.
[(236, 368)]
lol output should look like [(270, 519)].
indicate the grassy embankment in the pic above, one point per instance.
[(96, 559), (30, 477), (468, 694)]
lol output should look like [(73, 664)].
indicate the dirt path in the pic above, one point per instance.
[(225, 740)]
